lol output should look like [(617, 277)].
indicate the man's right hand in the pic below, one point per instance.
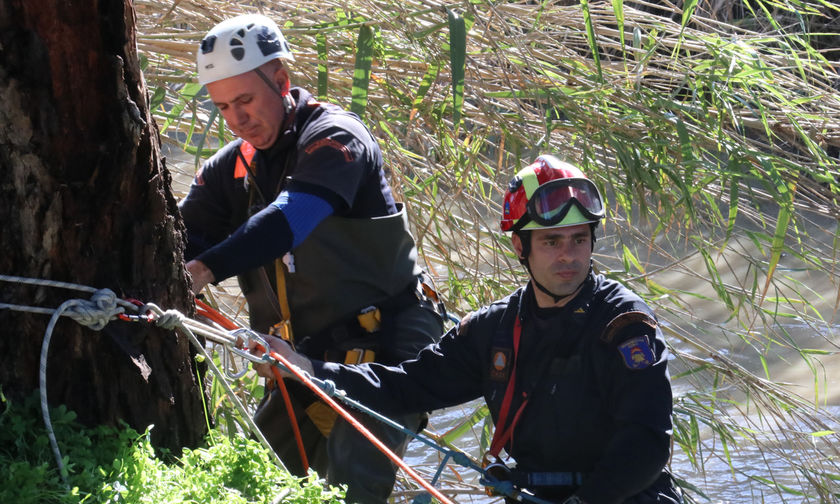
[(279, 346), (201, 275)]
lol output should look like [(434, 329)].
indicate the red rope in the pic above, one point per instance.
[(361, 428), (206, 310), (215, 316)]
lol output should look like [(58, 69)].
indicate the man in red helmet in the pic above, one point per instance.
[(573, 366)]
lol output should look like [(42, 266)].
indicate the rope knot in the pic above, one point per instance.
[(96, 312), (170, 319), (328, 387)]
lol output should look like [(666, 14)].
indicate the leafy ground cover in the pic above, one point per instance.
[(119, 465)]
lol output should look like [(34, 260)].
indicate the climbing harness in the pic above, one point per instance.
[(104, 307)]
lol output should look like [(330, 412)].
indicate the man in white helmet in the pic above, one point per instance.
[(299, 208), (573, 366)]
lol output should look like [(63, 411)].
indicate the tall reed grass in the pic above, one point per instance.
[(712, 127)]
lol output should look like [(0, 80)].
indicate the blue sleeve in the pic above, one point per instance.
[(303, 212), (267, 235)]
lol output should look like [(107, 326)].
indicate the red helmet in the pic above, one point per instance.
[(550, 193)]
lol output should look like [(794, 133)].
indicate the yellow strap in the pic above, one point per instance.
[(322, 416), (359, 356), (285, 326), (370, 319)]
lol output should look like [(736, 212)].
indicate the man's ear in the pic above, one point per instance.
[(281, 75), (517, 244)]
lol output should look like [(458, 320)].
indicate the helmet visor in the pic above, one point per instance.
[(551, 201)]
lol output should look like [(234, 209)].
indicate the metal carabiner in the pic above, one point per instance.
[(147, 317), (227, 364)]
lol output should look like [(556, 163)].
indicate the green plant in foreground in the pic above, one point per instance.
[(110, 465)]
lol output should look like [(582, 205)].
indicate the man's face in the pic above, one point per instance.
[(251, 109), (559, 257)]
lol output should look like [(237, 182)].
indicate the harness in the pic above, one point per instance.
[(503, 433)]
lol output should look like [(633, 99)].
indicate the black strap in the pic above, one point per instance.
[(546, 479)]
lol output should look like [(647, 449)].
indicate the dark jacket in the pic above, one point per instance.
[(598, 387), (362, 255)]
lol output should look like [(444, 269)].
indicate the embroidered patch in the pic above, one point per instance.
[(332, 143), (500, 363), (624, 320), (636, 352)]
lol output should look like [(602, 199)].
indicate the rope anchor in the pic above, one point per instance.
[(104, 306)]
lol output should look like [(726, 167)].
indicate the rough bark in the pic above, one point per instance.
[(85, 198)]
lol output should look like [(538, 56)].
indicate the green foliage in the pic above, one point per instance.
[(110, 465)]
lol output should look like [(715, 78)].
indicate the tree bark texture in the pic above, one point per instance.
[(85, 198)]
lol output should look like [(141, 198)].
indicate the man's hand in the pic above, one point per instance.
[(284, 350), (201, 275)]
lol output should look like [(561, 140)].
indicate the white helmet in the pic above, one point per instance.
[(239, 45)]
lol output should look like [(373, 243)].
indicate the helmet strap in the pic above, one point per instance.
[(283, 93)]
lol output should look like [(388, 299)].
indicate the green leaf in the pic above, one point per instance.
[(618, 10), (457, 62), (361, 72), (323, 70), (157, 97), (185, 96), (428, 79), (590, 37), (467, 424)]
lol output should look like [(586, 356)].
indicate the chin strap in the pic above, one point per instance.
[(288, 101), (545, 290)]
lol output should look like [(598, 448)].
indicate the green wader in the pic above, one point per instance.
[(342, 268)]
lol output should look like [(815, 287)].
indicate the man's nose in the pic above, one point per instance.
[(240, 116), (563, 252)]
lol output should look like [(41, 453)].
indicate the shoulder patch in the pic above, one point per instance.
[(636, 353), (623, 320), (331, 143), (500, 364)]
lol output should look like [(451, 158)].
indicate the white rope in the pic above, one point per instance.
[(96, 313), (172, 319)]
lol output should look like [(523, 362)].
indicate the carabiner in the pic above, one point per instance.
[(147, 317)]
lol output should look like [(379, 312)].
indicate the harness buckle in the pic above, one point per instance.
[(283, 330), (497, 470), (359, 356), (370, 319)]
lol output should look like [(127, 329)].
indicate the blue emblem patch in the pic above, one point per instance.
[(636, 353)]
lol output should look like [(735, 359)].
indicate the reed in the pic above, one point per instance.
[(712, 127)]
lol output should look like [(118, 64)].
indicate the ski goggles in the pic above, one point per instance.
[(550, 203)]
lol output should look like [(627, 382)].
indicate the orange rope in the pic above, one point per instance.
[(206, 310), (361, 428), (215, 316)]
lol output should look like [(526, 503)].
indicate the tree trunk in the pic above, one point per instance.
[(85, 198)]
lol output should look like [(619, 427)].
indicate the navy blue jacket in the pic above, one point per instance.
[(327, 152), (600, 394)]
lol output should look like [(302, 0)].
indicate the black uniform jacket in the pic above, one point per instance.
[(326, 151), (600, 394)]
